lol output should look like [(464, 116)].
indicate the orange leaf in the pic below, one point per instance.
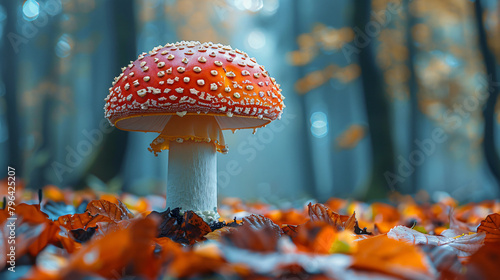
[(319, 212), (115, 212), (259, 222), (190, 264), (350, 137), (391, 257), (263, 238), (32, 218), (491, 226), (81, 221), (217, 234), (290, 216), (484, 263), (132, 248)]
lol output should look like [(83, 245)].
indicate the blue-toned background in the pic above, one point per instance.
[(381, 96)]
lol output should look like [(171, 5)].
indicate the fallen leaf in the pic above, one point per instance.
[(392, 257), (81, 221), (115, 212), (129, 250), (217, 234), (491, 226), (319, 212), (259, 222), (463, 245), (484, 263), (260, 239), (188, 228)]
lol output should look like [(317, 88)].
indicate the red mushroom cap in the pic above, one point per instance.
[(189, 78)]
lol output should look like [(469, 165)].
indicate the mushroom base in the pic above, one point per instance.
[(192, 178)]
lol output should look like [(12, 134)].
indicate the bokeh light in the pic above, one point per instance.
[(31, 10), (319, 124), (256, 39), (63, 46)]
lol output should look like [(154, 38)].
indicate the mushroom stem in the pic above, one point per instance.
[(192, 178)]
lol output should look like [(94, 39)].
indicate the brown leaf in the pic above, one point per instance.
[(188, 228), (81, 221), (319, 212), (128, 249), (259, 222), (484, 263), (491, 226), (195, 227), (257, 233), (115, 212)]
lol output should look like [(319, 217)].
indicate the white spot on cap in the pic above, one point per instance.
[(161, 74), (236, 95), (127, 86), (179, 90), (227, 89), (202, 59), (181, 114), (170, 56), (218, 63), (136, 83), (186, 79), (213, 86), (214, 72), (180, 69), (172, 97), (185, 60), (160, 64), (197, 69), (142, 92), (200, 82), (146, 78), (230, 74)]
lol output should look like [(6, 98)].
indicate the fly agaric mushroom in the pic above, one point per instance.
[(189, 92)]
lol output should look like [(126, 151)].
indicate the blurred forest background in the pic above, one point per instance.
[(382, 96)]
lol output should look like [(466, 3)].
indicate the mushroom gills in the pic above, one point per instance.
[(189, 128)]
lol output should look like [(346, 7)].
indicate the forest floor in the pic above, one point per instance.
[(65, 234)]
